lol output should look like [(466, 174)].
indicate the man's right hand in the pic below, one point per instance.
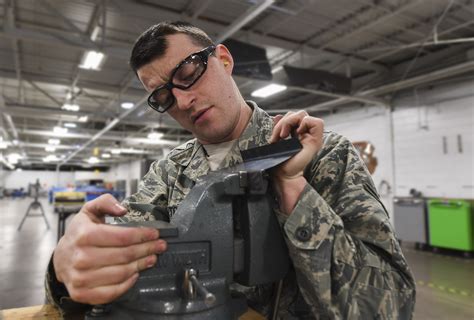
[(97, 262)]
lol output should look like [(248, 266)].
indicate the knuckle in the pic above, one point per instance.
[(124, 238), (78, 295), (80, 259), (130, 254), (78, 280), (126, 273), (82, 235)]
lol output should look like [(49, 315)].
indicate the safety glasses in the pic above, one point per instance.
[(186, 73)]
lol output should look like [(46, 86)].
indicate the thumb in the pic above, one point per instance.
[(104, 205)]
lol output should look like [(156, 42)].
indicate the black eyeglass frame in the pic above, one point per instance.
[(203, 55)]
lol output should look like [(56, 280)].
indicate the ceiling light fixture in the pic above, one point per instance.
[(59, 130), (70, 125), (155, 135), (50, 149), (93, 160), (106, 155), (71, 107), (92, 60), (268, 90), (127, 105), (83, 119), (54, 142), (50, 158), (14, 157)]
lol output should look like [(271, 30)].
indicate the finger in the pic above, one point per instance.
[(277, 118), (310, 125), (103, 294), (290, 122), (103, 235), (106, 204), (277, 127), (111, 275), (95, 258)]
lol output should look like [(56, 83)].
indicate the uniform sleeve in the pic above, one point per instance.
[(347, 260), (153, 190)]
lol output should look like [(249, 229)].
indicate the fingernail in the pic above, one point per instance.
[(154, 234), (150, 261), (120, 207), (161, 245)]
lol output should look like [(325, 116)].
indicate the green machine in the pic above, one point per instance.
[(451, 224)]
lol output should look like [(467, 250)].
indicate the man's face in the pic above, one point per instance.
[(210, 109)]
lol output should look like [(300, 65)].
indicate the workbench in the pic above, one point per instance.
[(49, 312)]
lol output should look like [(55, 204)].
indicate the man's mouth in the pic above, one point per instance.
[(197, 115)]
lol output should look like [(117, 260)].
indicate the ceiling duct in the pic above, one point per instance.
[(249, 61), (318, 80)]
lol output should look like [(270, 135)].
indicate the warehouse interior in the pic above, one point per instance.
[(396, 77)]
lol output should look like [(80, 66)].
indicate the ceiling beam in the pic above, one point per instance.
[(399, 85)]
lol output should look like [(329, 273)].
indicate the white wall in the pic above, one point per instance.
[(426, 130), (21, 179), (414, 157)]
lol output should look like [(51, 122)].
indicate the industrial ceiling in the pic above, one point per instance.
[(382, 46)]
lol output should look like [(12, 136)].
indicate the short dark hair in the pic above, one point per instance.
[(152, 43)]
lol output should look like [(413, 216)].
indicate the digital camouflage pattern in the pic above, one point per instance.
[(347, 263), (351, 267)]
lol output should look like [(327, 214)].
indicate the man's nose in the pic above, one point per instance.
[(184, 98)]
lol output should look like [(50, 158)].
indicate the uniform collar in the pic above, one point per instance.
[(257, 133)]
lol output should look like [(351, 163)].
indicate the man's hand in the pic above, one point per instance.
[(288, 178), (99, 262)]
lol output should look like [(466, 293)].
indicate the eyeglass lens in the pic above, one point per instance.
[(184, 77)]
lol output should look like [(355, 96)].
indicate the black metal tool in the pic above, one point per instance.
[(223, 231)]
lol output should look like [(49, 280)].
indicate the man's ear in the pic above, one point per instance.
[(223, 54)]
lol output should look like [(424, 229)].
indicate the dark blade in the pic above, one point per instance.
[(271, 155)]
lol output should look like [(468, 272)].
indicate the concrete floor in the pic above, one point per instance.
[(445, 283)]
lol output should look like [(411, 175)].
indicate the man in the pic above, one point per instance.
[(346, 260)]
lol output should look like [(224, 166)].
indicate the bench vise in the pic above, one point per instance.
[(224, 231)]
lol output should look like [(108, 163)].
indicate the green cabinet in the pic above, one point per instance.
[(451, 224)]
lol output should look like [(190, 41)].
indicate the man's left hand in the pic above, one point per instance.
[(288, 177)]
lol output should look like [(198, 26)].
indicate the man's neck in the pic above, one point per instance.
[(244, 118)]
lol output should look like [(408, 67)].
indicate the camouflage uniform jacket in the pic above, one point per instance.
[(347, 263)]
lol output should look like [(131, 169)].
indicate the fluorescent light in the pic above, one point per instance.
[(116, 151), (3, 145), (54, 141), (70, 125), (59, 130), (268, 90), (71, 107), (83, 119), (13, 158), (95, 33), (50, 149), (127, 105), (106, 155), (50, 158), (92, 60), (155, 135), (15, 142), (277, 69), (93, 160)]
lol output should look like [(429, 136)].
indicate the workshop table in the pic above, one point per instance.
[(48, 312)]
